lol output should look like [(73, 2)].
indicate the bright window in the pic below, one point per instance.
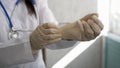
[(115, 17)]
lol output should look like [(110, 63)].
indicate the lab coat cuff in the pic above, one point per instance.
[(34, 56)]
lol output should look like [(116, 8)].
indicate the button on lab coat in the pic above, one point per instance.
[(17, 53)]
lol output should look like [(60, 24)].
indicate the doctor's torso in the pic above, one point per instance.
[(21, 20)]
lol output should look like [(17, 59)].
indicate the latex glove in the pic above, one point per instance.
[(43, 35), (89, 16), (82, 30)]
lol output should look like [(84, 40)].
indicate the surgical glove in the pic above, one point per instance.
[(88, 16), (43, 35), (84, 29)]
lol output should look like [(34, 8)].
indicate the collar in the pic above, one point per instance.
[(33, 2), (18, 1)]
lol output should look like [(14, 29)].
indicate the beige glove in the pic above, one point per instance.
[(85, 29), (43, 35)]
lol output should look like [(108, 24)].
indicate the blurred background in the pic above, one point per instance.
[(104, 51)]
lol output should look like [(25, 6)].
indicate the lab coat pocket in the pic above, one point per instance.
[(15, 52)]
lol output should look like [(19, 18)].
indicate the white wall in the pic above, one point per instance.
[(71, 10), (65, 11), (90, 58)]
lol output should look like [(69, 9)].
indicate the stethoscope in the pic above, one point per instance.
[(13, 34)]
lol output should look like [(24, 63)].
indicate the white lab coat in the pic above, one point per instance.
[(17, 53)]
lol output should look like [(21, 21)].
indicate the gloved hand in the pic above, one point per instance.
[(85, 29), (43, 35)]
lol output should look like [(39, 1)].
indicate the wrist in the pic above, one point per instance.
[(66, 31)]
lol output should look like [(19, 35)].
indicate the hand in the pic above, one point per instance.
[(92, 28), (43, 35), (85, 29), (88, 16), (94, 17)]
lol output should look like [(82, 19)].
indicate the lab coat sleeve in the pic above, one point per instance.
[(15, 52), (45, 16)]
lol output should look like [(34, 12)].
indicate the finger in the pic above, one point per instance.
[(97, 21), (51, 31), (54, 41), (36, 46), (50, 25), (89, 16), (89, 34), (81, 30), (48, 36), (41, 34), (94, 27), (80, 25), (52, 36)]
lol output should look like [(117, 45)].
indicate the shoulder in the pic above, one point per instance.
[(41, 3)]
